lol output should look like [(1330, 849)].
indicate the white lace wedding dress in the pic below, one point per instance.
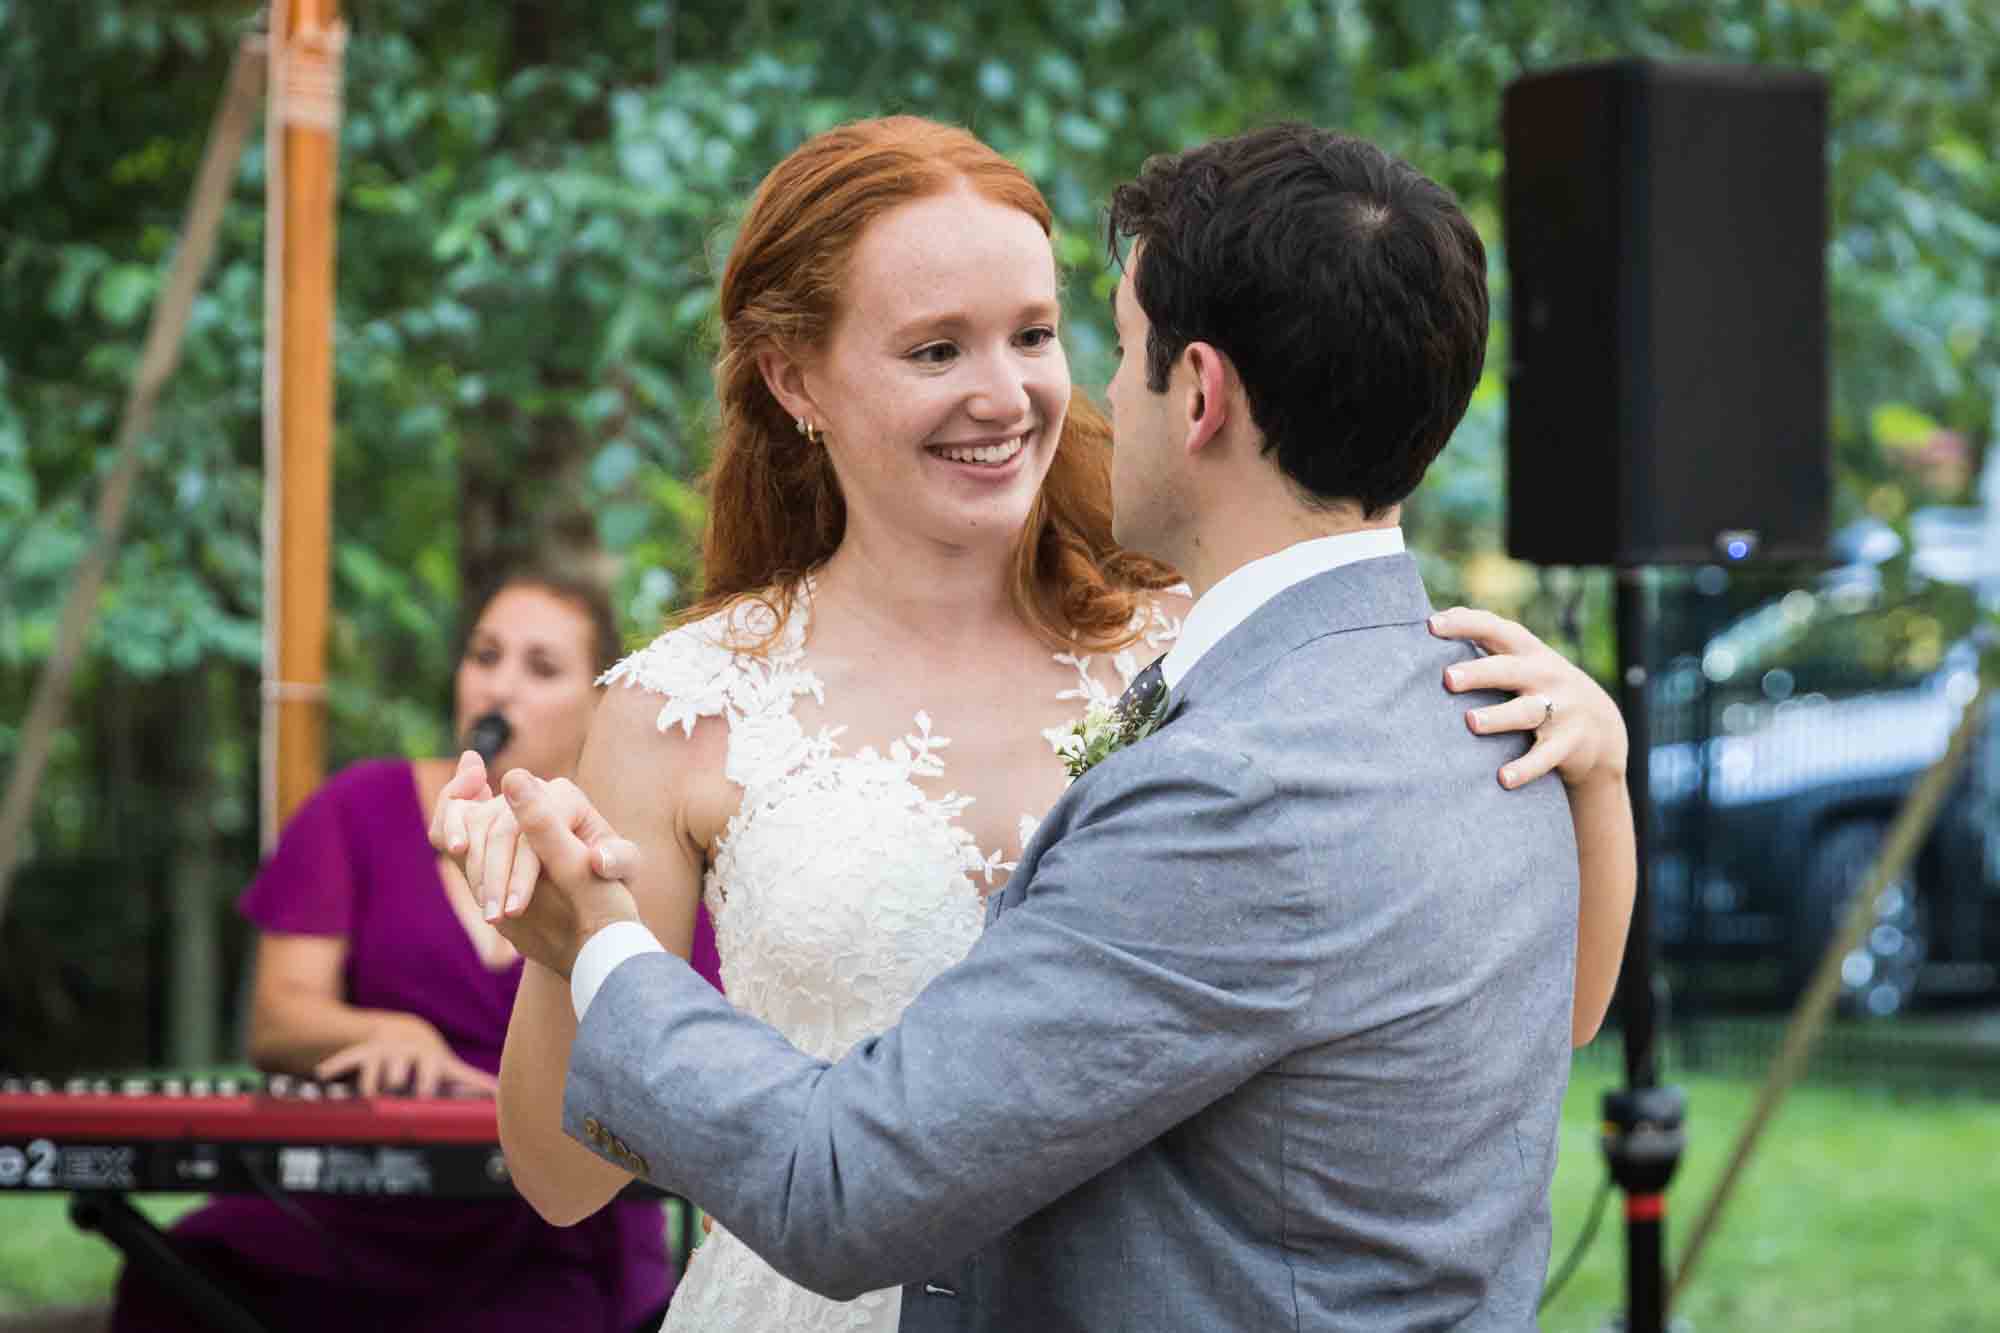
[(838, 891)]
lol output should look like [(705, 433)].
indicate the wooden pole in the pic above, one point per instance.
[(303, 138)]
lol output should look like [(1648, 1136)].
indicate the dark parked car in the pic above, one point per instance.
[(1784, 748)]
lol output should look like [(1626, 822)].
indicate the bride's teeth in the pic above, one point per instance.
[(989, 453)]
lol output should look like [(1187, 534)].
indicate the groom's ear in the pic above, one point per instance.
[(1207, 406)]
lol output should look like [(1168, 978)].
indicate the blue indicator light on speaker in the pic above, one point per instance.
[(1736, 545)]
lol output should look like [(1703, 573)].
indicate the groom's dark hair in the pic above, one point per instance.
[(1348, 290)]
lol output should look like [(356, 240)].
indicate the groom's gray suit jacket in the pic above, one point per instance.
[(1268, 1031)]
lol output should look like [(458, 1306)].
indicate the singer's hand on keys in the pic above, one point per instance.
[(406, 1054)]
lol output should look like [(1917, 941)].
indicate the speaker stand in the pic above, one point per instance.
[(1642, 1121)]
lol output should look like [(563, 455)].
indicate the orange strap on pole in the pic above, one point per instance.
[(302, 140)]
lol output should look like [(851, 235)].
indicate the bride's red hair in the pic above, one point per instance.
[(775, 510)]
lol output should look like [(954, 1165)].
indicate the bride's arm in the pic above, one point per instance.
[(1608, 864), (1584, 742), (644, 782)]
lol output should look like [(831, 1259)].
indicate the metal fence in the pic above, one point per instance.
[(1791, 713)]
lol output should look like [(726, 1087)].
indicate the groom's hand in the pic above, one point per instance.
[(582, 861)]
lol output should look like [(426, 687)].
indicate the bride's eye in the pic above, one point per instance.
[(935, 354)]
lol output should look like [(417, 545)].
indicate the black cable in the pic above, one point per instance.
[(1569, 1265)]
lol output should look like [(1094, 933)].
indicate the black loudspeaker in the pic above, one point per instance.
[(1665, 234)]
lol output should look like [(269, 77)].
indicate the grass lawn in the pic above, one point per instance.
[(46, 1261), (1862, 1210)]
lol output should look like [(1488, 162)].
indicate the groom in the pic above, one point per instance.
[(1270, 1027)]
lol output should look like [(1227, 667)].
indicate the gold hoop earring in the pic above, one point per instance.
[(807, 429)]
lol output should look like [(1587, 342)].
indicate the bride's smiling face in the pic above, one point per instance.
[(942, 388)]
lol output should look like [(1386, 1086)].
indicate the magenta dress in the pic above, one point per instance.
[(356, 861)]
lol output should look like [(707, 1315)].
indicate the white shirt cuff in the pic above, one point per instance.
[(600, 956)]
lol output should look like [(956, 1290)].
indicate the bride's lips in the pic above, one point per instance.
[(987, 459)]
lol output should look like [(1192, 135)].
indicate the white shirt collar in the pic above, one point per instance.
[(1240, 592)]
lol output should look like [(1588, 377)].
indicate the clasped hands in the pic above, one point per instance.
[(545, 868)]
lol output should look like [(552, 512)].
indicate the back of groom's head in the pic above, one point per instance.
[(1347, 289)]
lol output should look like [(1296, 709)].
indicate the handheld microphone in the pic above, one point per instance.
[(488, 736)]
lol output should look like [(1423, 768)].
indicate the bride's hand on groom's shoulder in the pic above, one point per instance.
[(1579, 732)]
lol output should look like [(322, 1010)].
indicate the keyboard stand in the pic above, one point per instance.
[(149, 1251)]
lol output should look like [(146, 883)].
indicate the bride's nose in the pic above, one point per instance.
[(1000, 393)]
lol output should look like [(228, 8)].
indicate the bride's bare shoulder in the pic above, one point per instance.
[(661, 777), (665, 717)]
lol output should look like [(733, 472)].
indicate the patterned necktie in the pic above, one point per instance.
[(1145, 690)]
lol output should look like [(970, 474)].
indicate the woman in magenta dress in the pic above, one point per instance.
[(373, 964)]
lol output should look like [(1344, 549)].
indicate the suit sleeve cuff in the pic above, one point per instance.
[(600, 956)]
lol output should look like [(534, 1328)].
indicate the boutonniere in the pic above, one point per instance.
[(1106, 728)]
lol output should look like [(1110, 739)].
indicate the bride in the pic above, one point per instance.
[(912, 593)]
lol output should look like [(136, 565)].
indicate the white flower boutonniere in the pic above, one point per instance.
[(1104, 729)]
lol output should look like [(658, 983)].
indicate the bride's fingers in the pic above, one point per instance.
[(1506, 672), (468, 780), (467, 786), (478, 821), (502, 842), (1526, 713), (1551, 747), (521, 884), (1495, 634), (457, 834)]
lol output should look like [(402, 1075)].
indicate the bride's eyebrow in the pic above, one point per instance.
[(953, 321), (940, 321)]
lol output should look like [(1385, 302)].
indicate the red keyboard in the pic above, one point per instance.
[(99, 1139), (283, 1135)]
